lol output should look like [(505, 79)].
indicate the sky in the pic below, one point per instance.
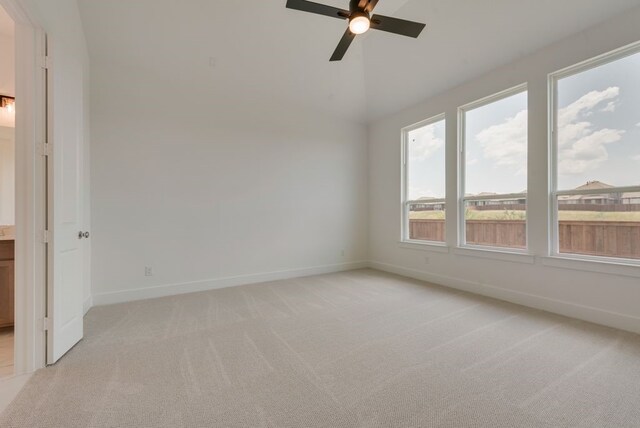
[(426, 161), (496, 146), (598, 137), (599, 125)]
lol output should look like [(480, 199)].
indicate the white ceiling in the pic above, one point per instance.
[(260, 51)]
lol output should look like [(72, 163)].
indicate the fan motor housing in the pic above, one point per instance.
[(358, 13), (353, 6)]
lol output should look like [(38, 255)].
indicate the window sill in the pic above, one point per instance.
[(495, 254), (424, 246), (607, 266)]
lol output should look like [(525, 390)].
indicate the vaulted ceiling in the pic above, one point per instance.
[(258, 51)]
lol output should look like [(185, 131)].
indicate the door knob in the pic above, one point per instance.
[(83, 235)]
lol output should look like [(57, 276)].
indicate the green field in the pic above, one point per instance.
[(521, 215)]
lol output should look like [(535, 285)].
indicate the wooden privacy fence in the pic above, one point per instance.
[(429, 230), (602, 238), (500, 233)]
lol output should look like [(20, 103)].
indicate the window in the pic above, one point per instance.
[(493, 162), (596, 158), (424, 181)]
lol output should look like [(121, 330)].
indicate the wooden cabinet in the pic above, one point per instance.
[(6, 283)]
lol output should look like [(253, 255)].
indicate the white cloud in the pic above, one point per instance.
[(506, 144), (472, 162), (416, 192), (588, 152), (638, 124), (610, 108), (636, 157), (423, 143), (585, 104), (581, 147)]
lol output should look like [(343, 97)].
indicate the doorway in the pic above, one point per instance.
[(7, 193), (26, 104), (50, 195)]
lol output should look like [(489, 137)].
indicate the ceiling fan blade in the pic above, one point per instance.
[(343, 45), (320, 9), (397, 26)]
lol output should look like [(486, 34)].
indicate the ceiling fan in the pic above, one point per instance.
[(360, 21)]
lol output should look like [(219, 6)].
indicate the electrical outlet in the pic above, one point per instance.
[(148, 271), (426, 260), (342, 253)]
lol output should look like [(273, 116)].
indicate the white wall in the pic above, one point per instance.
[(210, 191), (607, 298), (60, 19)]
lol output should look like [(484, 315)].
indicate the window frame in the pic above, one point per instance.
[(554, 193), (405, 201), (462, 164)]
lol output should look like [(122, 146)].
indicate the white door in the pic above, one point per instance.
[(65, 187)]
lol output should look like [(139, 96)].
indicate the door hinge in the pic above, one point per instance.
[(45, 236), (46, 324), (46, 62), (46, 149)]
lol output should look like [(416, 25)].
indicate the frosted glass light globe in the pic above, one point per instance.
[(359, 25)]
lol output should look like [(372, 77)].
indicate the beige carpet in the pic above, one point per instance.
[(354, 349)]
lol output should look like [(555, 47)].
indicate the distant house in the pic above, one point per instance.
[(427, 205), (520, 199), (604, 198), (599, 199), (630, 198)]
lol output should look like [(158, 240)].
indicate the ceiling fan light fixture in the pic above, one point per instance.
[(8, 103), (359, 23)]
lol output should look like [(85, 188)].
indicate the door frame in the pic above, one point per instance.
[(31, 190)]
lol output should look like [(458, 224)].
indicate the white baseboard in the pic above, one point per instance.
[(212, 284), (585, 313), (88, 304)]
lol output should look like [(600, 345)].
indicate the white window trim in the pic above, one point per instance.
[(483, 251), (405, 201), (570, 260)]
